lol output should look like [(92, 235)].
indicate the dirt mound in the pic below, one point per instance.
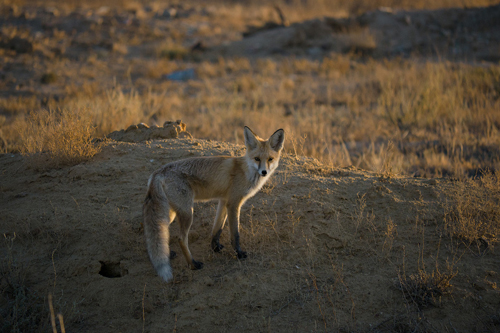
[(142, 132), (329, 249), (455, 33)]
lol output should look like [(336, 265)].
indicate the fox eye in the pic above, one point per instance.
[(257, 159), (270, 159)]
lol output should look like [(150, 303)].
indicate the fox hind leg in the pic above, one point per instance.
[(171, 216), (185, 222), (220, 220)]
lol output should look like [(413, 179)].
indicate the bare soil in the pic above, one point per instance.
[(329, 249), (470, 34)]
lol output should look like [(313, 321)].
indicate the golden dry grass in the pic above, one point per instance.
[(473, 212), (425, 289), (53, 139), (427, 118), (400, 116)]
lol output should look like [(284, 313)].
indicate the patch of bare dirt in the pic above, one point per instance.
[(471, 34), (329, 249)]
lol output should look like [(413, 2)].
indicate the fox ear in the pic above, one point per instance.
[(277, 139), (250, 138)]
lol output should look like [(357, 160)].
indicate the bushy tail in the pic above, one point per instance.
[(156, 222)]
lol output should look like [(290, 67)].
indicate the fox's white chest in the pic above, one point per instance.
[(257, 186)]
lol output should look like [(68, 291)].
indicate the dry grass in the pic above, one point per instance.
[(473, 212), (53, 139), (428, 119), (22, 309), (398, 116), (425, 289)]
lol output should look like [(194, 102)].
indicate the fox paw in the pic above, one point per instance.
[(196, 264), (216, 247), (242, 255), (172, 255)]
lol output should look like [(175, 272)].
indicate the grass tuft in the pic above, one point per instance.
[(21, 309), (53, 139), (472, 213), (425, 289)]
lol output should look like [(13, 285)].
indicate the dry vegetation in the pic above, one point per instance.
[(428, 245), (473, 212), (399, 116), (415, 116), (51, 139), (411, 116)]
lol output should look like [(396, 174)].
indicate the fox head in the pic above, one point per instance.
[(263, 155)]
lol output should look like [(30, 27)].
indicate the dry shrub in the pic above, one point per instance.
[(382, 158), (473, 211), (245, 83), (53, 139), (236, 65), (210, 70), (335, 66), (266, 66), (425, 289), (24, 310), (21, 309), (303, 65), (168, 49)]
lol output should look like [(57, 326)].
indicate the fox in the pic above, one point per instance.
[(173, 189)]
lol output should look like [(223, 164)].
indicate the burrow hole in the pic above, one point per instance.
[(112, 269)]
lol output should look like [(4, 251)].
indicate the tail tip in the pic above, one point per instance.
[(165, 272)]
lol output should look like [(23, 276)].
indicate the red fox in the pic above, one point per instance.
[(174, 187)]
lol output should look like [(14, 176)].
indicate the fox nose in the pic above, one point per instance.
[(263, 172)]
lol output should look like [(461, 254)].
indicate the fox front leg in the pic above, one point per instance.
[(220, 219), (234, 225)]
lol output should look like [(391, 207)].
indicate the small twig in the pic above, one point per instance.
[(54, 266), (284, 21), (61, 322), (52, 316)]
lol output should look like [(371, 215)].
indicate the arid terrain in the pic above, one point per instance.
[(340, 249), (384, 214)]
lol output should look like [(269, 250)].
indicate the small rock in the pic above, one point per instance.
[(142, 132), (184, 75), (184, 135), (131, 128), (314, 51)]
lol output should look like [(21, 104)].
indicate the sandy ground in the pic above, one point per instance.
[(327, 251)]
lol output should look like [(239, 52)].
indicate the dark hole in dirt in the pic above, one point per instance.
[(112, 269)]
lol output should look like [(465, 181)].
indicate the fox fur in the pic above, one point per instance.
[(173, 189)]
